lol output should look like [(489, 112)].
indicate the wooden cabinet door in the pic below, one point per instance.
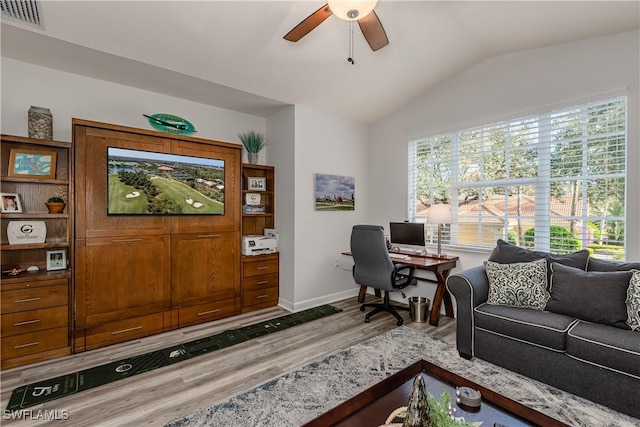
[(122, 277), (205, 268)]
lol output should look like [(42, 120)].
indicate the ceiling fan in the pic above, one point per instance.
[(348, 10)]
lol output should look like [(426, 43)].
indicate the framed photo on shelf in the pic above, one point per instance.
[(56, 260), (256, 184), (10, 203), (32, 163)]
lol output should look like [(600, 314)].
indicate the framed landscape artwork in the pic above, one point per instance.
[(32, 163), (334, 192)]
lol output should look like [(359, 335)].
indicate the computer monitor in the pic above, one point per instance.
[(406, 233)]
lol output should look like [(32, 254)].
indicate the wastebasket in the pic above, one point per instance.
[(418, 309)]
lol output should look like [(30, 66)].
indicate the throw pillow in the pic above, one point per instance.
[(521, 284), (596, 264), (594, 296), (506, 253), (633, 302)]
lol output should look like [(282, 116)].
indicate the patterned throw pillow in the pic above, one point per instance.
[(633, 301), (521, 284)]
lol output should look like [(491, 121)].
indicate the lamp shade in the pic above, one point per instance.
[(439, 214), (351, 10)]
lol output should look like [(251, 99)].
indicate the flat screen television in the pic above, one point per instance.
[(406, 233), (152, 183)]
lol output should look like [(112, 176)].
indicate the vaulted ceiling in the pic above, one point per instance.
[(232, 54)]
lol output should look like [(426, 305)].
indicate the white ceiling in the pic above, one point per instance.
[(231, 54)]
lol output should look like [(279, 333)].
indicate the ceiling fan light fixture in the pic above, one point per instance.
[(351, 10)]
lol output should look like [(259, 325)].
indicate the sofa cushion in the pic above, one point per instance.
[(506, 253), (521, 284), (536, 327), (633, 301), (605, 346), (596, 264), (595, 296)]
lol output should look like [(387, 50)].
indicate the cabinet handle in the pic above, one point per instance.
[(262, 268), (126, 330), (262, 282), (261, 296), (126, 240), (26, 322), (18, 301), (208, 236), (31, 344), (208, 312)]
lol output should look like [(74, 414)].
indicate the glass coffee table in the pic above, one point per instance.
[(372, 407)]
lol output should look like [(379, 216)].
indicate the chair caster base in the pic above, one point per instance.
[(399, 322), (367, 320)]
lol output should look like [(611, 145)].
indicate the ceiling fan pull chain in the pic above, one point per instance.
[(350, 58)]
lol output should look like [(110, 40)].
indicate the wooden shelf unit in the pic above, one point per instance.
[(33, 332), (260, 273)]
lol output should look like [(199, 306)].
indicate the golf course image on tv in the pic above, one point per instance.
[(151, 183)]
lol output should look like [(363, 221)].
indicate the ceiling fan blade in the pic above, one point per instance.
[(308, 24), (373, 31)]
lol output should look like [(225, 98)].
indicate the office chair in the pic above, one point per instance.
[(373, 267)]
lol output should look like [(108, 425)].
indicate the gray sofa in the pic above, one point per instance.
[(574, 342)]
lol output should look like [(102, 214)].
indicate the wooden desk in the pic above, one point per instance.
[(441, 267)]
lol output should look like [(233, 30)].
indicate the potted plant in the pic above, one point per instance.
[(253, 142), (55, 204)]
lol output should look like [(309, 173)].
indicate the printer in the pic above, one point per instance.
[(259, 245)]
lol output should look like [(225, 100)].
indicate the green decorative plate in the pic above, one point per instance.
[(169, 123)]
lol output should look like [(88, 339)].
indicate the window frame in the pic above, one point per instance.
[(543, 181)]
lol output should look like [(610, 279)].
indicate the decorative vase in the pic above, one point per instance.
[(40, 123), (55, 208), (253, 158)]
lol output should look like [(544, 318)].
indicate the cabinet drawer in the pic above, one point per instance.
[(205, 312), (34, 320), (259, 268), (31, 299), (254, 283), (267, 296), (123, 330), (34, 342)]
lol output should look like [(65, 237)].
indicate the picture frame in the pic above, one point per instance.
[(10, 203), (256, 184), (334, 192), (56, 260), (32, 163)]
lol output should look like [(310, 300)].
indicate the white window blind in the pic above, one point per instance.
[(552, 181)]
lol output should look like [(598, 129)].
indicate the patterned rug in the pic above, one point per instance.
[(300, 396)]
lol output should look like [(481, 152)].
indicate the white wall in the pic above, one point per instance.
[(505, 87), (72, 96), (330, 145)]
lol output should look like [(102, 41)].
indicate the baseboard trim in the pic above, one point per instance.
[(315, 302)]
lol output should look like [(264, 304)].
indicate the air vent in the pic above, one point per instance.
[(25, 11)]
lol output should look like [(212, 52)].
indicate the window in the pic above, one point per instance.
[(552, 181)]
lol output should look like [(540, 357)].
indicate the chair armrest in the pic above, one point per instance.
[(398, 271), (470, 289)]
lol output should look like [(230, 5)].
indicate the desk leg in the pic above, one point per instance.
[(441, 293), (363, 292)]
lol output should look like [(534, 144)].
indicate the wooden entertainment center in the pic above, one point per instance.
[(131, 276)]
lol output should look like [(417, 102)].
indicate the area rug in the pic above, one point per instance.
[(300, 396), (54, 388)]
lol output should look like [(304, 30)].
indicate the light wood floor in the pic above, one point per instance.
[(157, 397)]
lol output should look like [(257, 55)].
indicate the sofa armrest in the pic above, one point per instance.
[(470, 289)]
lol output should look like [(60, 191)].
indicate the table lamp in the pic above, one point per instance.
[(439, 214)]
